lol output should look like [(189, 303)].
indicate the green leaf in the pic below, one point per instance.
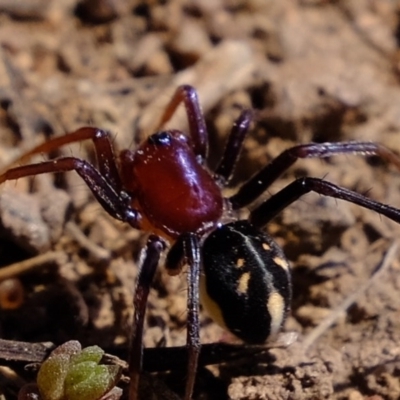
[(71, 373)]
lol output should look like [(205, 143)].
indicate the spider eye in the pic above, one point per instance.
[(160, 138)]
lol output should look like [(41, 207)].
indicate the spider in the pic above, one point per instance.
[(165, 188)]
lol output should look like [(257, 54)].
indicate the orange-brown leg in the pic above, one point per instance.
[(104, 151), (151, 257), (117, 205), (197, 125)]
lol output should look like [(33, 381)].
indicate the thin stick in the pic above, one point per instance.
[(98, 253), (155, 359), (21, 267), (326, 323)]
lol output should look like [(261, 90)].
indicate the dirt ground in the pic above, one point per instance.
[(314, 71)]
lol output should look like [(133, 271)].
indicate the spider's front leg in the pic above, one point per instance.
[(198, 131), (239, 130), (116, 204), (186, 250), (103, 147), (149, 261), (197, 125), (192, 253)]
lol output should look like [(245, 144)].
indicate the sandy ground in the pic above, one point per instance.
[(314, 71)]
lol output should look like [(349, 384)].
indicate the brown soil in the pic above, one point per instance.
[(314, 71)]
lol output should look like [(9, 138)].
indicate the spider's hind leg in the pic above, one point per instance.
[(271, 207), (260, 182)]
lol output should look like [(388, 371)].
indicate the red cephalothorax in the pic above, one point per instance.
[(174, 191)]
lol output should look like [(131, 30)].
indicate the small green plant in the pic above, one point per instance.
[(70, 373)]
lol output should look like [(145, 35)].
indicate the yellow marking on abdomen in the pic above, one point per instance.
[(266, 246), (240, 262), (243, 285), (281, 262), (276, 308)]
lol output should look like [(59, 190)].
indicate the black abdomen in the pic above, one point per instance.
[(247, 279)]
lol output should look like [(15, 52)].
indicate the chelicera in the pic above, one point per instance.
[(165, 188)]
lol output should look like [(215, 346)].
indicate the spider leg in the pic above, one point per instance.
[(267, 175), (103, 146), (192, 253), (186, 249), (275, 204), (233, 147), (116, 205), (151, 254), (197, 124)]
